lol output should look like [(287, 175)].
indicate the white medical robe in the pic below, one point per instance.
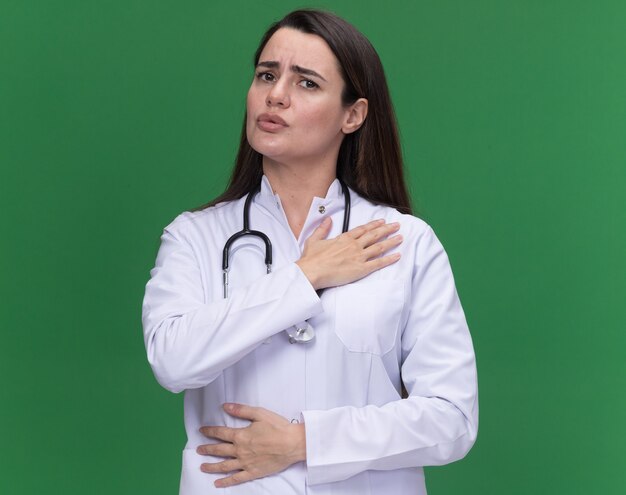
[(401, 323)]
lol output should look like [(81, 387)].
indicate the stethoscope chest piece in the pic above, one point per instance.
[(302, 333)]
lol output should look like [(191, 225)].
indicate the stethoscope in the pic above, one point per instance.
[(300, 333)]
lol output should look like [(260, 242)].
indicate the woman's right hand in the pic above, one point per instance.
[(349, 256)]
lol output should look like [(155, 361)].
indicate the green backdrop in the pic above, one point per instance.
[(115, 116)]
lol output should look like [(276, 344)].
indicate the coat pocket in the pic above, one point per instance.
[(367, 315)]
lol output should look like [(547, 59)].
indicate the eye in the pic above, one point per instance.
[(265, 76), (308, 84)]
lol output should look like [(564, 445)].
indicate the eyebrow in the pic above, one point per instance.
[(271, 64)]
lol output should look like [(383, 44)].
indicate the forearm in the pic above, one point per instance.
[(417, 431), (298, 442), (188, 345)]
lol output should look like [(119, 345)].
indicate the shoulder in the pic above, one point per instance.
[(420, 243), (411, 227), (188, 223)]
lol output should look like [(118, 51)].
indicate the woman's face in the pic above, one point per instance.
[(294, 108)]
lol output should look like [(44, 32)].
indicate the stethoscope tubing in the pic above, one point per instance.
[(246, 231)]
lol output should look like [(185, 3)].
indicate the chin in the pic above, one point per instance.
[(273, 151)]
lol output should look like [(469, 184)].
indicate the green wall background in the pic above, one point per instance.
[(115, 116)]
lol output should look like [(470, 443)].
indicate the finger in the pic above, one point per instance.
[(244, 411), (357, 232), (377, 234), (382, 247), (220, 432), (221, 467), (382, 262), (217, 449), (322, 230), (235, 479)]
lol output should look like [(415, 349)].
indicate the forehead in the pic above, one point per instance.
[(292, 47)]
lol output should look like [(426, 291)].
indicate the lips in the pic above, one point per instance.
[(274, 119), (271, 122)]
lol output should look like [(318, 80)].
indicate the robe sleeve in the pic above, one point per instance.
[(438, 422), (188, 342)]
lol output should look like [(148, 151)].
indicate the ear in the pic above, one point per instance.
[(355, 116)]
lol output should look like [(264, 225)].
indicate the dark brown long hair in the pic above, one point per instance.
[(370, 159)]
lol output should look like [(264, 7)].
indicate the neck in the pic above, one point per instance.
[(296, 186)]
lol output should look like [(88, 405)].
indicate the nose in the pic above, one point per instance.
[(278, 96)]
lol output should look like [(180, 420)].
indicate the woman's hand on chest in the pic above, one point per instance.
[(349, 256)]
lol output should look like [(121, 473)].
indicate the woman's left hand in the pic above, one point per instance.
[(268, 445)]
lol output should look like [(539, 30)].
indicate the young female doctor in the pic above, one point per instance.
[(294, 344)]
